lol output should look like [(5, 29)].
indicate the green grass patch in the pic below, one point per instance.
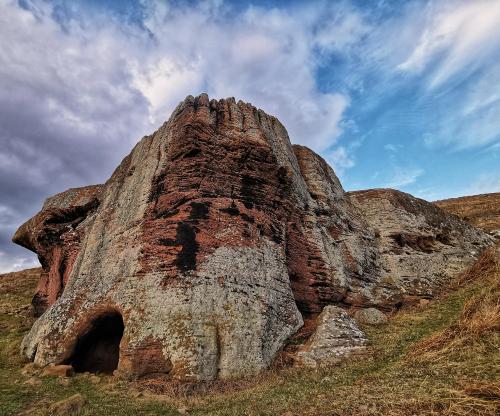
[(385, 381)]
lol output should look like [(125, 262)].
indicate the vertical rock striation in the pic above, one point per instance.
[(213, 241)]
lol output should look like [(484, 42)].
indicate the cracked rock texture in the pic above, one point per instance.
[(336, 336), (420, 246), (213, 242)]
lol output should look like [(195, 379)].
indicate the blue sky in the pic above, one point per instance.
[(391, 93)]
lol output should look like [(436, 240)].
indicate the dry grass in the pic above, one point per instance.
[(487, 391), (470, 346), (485, 268), (482, 211), (437, 360), (479, 318)]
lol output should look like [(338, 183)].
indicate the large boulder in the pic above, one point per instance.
[(210, 245), (420, 246), (337, 336)]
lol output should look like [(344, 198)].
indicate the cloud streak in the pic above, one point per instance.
[(458, 35)]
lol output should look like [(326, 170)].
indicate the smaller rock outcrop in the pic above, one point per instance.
[(420, 246), (336, 336), (214, 241), (72, 405), (370, 316), (58, 371), (54, 234)]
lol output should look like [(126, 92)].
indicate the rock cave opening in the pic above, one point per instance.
[(98, 349)]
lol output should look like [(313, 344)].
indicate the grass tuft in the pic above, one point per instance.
[(441, 359), (478, 323)]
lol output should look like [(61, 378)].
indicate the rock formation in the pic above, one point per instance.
[(213, 242), (420, 246), (336, 336)]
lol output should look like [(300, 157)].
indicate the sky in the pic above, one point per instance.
[(392, 93)]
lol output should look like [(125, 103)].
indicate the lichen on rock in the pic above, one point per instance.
[(337, 336), (213, 242)]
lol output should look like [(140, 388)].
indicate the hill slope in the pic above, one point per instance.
[(435, 359), (482, 211)]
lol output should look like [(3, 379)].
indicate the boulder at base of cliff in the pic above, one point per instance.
[(336, 336), (370, 316)]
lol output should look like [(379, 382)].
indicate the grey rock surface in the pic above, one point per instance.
[(337, 336), (370, 316)]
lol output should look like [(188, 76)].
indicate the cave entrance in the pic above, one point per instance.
[(98, 349)]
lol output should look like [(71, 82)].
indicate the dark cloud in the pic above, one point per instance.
[(81, 83), (68, 115)]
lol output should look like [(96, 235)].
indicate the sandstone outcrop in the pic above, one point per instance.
[(55, 235), (336, 336), (420, 246), (213, 242)]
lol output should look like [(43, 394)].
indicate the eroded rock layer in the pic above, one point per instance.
[(55, 234), (420, 246), (213, 241)]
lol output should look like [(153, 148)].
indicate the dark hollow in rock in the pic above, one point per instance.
[(186, 237), (224, 241), (39, 304), (199, 210), (98, 350)]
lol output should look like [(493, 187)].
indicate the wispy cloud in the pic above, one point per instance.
[(444, 56), (340, 159), (483, 184), (401, 177), (458, 35), (12, 263), (456, 58)]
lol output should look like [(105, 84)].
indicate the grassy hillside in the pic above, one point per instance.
[(436, 359), (482, 211)]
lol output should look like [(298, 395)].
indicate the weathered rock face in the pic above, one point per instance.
[(336, 336), (420, 246), (55, 235), (210, 244)]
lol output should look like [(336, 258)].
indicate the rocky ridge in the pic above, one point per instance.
[(214, 241)]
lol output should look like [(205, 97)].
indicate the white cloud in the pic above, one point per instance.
[(473, 120), (340, 160), (448, 49), (341, 29), (484, 184), (390, 147), (459, 34), (401, 177), (265, 57), (10, 263)]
